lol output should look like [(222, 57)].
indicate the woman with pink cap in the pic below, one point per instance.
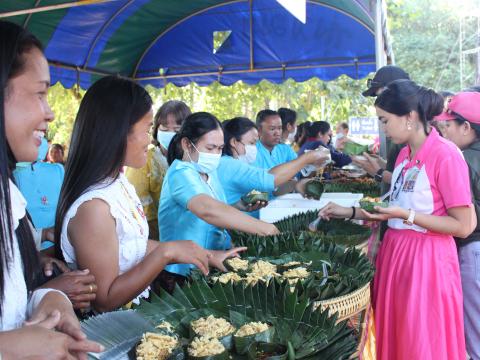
[(462, 126), (417, 295)]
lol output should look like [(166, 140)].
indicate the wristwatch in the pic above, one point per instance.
[(379, 175), (411, 218)]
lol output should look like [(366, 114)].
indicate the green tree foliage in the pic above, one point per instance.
[(64, 103), (341, 98), (426, 41)]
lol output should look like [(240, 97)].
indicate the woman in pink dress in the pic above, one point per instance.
[(417, 293)]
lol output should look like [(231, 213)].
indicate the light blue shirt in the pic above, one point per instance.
[(181, 183), (40, 183), (239, 178), (280, 154)]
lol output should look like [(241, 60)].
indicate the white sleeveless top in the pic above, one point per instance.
[(16, 304), (131, 223)]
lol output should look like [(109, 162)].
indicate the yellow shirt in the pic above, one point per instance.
[(148, 181)]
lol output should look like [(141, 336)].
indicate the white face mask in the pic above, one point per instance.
[(207, 162), (340, 136), (250, 154), (165, 137)]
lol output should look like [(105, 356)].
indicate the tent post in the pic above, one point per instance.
[(380, 55), (51, 7), (381, 60), (251, 34)]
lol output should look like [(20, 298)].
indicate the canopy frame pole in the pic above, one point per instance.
[(51, 7), (251, 34), (243, 71), (84, 70), (27, 19)]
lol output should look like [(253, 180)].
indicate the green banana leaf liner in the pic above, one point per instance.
[(370, 206), (267, 351), (177, 354), (223, 356), (314, 189), (242, 343), (227, 341), (352, 148), (251, 199)]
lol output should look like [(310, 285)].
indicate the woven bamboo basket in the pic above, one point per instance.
[(347, 305)]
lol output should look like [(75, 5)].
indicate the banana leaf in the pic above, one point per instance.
[(370, 205), (353, 148), (251, 199), (242, 343), (294, 318), (314, 189), (223, 356), (295, 236), (267, 351), (331, 274)]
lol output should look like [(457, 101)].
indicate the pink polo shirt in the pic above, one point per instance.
[(435, 180)]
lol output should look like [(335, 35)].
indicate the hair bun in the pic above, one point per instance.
[(431, 102)]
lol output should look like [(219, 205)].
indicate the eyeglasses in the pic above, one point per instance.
[(375, 84)]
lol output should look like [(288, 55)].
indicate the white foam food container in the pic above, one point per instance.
[(291, 204)]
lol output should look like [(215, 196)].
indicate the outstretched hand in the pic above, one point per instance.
[(383, 214), (217, 257)]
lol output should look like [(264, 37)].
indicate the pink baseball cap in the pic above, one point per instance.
[(465, 104)]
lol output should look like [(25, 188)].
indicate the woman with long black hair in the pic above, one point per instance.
[(100, 223), (417, 293), (24, 118)]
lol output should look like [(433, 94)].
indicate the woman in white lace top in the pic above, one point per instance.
[(100, 222), (24, 117)]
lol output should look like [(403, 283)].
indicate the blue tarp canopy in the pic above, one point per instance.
[(161, 41)]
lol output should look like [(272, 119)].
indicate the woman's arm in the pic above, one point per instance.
[(93, 229), (460, 221), (224, 216), (285, 172)]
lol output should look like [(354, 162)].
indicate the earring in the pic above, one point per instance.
[(409, 126)]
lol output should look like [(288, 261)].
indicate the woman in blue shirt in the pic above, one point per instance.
[(239, 177), (193, 203)]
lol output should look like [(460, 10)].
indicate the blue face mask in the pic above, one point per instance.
[(165, 137), (207, 162), (42, 150)]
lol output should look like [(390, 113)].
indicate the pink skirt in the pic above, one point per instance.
[(417, 298)]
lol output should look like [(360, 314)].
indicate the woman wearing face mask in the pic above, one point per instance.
[(34, 323), (193, 203), (417, 294), (98, 207), (148, 180), (238, 176), (462, 126)]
